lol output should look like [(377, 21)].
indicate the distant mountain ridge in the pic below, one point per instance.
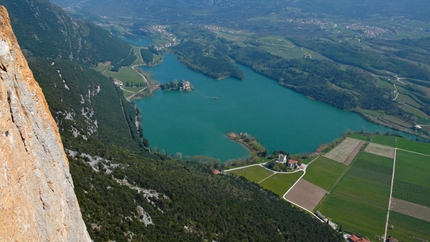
[(225, 11)]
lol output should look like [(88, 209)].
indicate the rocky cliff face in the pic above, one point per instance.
[(37, 201)]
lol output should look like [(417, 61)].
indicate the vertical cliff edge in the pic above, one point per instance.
[(37, 201)]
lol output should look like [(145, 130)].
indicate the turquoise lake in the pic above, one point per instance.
[(138, 42), (196, 123)]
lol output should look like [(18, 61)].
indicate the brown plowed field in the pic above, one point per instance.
[(410, 209), (346, 151), (380, 150), (306, 194)]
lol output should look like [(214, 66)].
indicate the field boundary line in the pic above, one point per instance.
[(391, 194), (295, 204), (410, 151), (242, 167), (281, 172), (267, 177), (295, 183)]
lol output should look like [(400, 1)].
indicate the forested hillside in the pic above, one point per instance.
[(124, 191), (46, 30)]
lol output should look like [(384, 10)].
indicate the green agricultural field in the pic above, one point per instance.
[(411, 145), (407, 228), (277, 45), (359, 136), (324, 172), (411, 180), (384, 140), (381, 139), (414, 111), (253, 173), (280, 183), (126, 74), (407, 99), (360, 200)]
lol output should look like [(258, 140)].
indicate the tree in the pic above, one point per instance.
[(179, 155)]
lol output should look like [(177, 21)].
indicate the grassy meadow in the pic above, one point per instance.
[(324, 172), (280, 183)]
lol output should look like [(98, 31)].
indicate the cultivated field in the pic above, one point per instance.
[(376, 138), (410, 209), (280, 183), (380, 150), (252, 173), (412, 178), (346, 151), (306, 194), (324, 172), (407, 228), (384, 140), (411, 145), (359, 193), (360, 200)]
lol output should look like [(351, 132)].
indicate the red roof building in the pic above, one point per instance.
[(354, 238), (292, 164)]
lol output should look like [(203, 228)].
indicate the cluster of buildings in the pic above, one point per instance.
[(185, 86), (166, 35), (292, 164), (368, 31)]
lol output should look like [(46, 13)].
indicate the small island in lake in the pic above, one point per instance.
[(182, 86), (257, 150)]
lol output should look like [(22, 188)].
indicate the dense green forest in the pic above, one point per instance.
[(51, 33), (87, 90), (179, 200), (366, 59), (320, 79), (147, 55), (193, 204), (209, 61)]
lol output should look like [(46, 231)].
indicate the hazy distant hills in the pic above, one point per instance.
[(223, 11), (366, 9)]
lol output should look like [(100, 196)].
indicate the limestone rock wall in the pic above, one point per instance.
[(37, 201)]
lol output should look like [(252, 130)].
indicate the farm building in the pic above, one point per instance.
[(282, 158), (292, 164), (354, 238)]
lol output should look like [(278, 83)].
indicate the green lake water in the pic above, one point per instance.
[(196, 123)]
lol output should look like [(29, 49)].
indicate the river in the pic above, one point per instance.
[(196, 123)]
